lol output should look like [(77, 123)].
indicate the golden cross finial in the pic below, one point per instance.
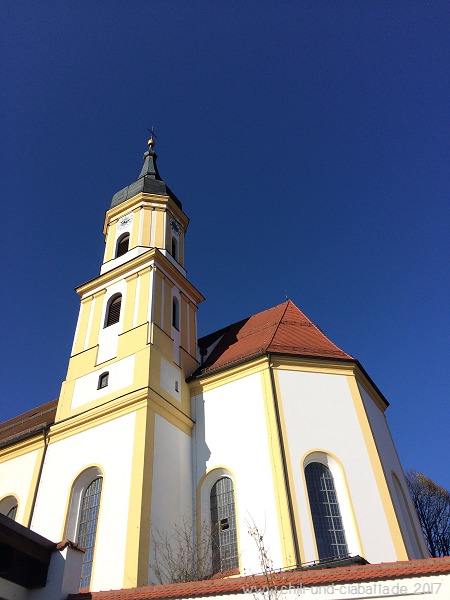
[(151, 141)]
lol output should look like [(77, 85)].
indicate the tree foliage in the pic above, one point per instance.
[(432, 504)]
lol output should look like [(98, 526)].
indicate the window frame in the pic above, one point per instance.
[(8, 504), (113, 300), (77, 493), (120, 240), (104, 376)]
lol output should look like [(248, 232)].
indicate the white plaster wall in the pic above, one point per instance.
[(411, 530), (319, 414), (110, 447), (108, 337), (171, 482), (170, 379), (121, 375), (16, 477), (231, 432)]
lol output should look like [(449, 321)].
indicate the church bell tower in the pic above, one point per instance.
[(124, 411), (137, 323)]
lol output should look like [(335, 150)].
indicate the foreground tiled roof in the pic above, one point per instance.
[(308, 577), (28, 424), (283, 329)]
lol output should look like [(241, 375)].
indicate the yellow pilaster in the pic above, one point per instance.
[(184, 308), (378, 471), (130, 302), (146, 226), (134, 237), (110, 239), (144, 290), (96, 318), (167, 306), (85, 311)]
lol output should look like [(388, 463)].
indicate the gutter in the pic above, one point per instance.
[(41, 467), (284, 462)]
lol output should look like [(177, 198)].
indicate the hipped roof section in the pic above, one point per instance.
[(283, 329)]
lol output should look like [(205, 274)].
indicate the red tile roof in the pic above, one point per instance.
[(304, 578), (28, 424), (282, 329)]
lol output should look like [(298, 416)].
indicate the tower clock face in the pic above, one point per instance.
[(124, 221), (175, 226)]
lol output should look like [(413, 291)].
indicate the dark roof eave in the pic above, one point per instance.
[(209, 371)]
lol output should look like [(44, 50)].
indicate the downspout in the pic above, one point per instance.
[(41, 467), (284, 463)]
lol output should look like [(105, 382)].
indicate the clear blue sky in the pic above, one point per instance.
[(308, 142)]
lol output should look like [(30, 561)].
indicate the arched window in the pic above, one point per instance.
[(325, 512), (113, 310), (103, 380), (122, 244), (175, 313), (223, 525), (175, 247), (12, 512), (87, 527), (8, 507)]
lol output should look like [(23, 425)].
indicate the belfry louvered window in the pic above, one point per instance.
[(87, 528), (223, 524), (325, 512), (113, 311), (122, 244)]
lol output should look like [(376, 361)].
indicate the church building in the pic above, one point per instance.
[(263, 424)]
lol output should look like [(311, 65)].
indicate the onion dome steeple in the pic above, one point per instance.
[(148, 182)]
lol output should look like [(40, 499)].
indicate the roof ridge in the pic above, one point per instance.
[(279, 324)]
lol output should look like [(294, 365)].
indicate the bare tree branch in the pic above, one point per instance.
[(432, 504)]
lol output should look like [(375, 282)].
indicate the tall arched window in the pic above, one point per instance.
[(87, 527), (122, 244), (325, 512), (113, 310), (223, 524), (175, 313)]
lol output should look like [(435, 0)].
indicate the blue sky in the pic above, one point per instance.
[(308, 142)]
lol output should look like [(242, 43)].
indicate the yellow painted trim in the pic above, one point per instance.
[(347, 493), (167, 306), (144, 295), (184, 308), (110, 241), (378, 470), (83, 322), (289, 466), (130, 300), (209, 382), (34, 483), (135, 264), (97, 415), (408, 516), (137, 550), (21, 448), (96, 323), (146, 225), (281, 500), (134, 234)]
